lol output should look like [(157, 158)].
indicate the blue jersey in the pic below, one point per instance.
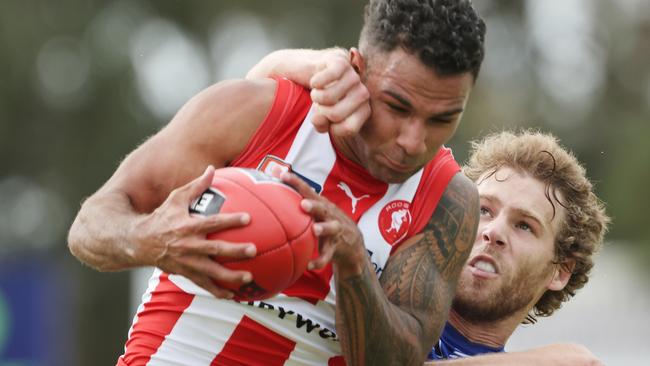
[(452, 344)]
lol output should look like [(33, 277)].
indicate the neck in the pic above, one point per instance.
[(492, 334)]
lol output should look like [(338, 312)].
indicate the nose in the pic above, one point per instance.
[(412, 137), (493, 233)]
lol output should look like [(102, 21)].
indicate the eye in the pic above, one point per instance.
[(397, 108), (484, 211), (524, 226), (443, 121)]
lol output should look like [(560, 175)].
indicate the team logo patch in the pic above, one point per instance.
[(348, 192), (271, 162), (394, 221)]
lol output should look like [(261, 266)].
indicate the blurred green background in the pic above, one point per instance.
[(83, 82)]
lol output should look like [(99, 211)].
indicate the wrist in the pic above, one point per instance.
[(139, 250), (351, 261)]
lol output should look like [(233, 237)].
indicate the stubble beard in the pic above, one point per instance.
[(509, 299)]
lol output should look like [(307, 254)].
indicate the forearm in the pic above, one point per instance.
[(500, 359), (372, 330), (508, 359), (297, 65), (100, 235)]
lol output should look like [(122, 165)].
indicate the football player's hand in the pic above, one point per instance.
[(342, 100), (174, 240), (339, 237)]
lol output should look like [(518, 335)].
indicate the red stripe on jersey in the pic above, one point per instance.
[(253, 344), (313, 285), (155, 321), (440, 172), (280, 126)]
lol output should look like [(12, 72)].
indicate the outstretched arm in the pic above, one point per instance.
[(396, 319), (552, 355), (336, 88), (140, 216)]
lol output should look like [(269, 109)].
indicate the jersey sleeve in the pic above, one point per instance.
[(289, 109)]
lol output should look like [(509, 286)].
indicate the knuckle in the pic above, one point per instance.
[(214, 247), (338, 62), (323, 98), (331, 97), (319, 118), (363, 92), (184, 227), (335, 115), (175, 194), (315, 95)]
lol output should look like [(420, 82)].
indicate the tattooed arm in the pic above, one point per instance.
[(396, 320)]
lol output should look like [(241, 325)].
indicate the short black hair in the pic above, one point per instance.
[(446, 35)]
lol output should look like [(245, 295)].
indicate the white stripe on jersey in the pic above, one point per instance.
[(311, 153)]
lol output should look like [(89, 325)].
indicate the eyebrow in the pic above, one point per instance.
[(408, 104), (521, 211)]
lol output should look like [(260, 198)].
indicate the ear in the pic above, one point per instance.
[(562, 275), (358, 62)]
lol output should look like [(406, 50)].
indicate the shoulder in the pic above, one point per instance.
[(450, 231), (452, 226), (462, 191), (210, 129)]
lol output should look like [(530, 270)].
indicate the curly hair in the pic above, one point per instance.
[(583, 229), (446, 35)]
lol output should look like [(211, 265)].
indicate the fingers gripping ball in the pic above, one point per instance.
[(281, 231)]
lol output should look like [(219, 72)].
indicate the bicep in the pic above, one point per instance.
[(421, 276), (207, 130)]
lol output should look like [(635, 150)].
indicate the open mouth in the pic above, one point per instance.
[(484, 265)]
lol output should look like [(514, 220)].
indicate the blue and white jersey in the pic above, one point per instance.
[(452, 344)]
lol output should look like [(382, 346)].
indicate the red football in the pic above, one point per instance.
[(279, 228)]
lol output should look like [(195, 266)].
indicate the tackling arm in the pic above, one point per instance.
[(336, 88)]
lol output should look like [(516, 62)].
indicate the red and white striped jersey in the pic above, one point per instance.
[(178, 323)]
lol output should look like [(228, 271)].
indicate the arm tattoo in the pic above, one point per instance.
[(453, 229), (419, 281)]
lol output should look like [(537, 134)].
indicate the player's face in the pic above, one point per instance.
[(510, 265), (414, 112)]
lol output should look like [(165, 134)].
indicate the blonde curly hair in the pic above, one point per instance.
[(541, 156)]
